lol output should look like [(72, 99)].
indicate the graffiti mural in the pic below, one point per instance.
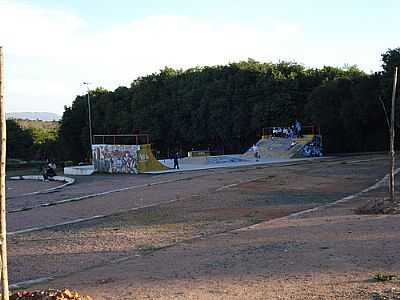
[(314, 148), (115, 158)]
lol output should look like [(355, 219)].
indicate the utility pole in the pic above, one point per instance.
[(3, 229), (90, 121), (392, 134)]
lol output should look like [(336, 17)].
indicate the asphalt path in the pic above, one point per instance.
[(100, 196)]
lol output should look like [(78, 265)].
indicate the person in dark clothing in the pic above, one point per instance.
[(43, 170), (298, 126), (176, 162), (49, 171)]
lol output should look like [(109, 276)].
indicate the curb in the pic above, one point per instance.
[(69, 200), (66, 180)]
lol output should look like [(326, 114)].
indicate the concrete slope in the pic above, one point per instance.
[(276, 147), (147, 162)]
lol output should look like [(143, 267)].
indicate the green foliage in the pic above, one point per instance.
[(349, 114), (31, 140), (224, 108), (390, 59), (385, 277), (19, 141), (41, 136), (38, 124)]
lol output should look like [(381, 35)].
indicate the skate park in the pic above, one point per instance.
[(136, 157), (187, 157), (129, 215)]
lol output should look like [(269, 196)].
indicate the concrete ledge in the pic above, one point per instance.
[(79, 170), (40, 177)]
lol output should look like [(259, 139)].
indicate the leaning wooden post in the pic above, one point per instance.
[(3, 229), (392, 134)]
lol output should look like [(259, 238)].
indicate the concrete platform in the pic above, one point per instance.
[(79, 170), (224, 161)]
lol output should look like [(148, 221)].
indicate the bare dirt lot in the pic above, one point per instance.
[(214, 235)]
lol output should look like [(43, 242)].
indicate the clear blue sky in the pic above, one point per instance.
[(53, 46)]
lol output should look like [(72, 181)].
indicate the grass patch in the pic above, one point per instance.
[(254, 218), (381, 277), (149, 248)]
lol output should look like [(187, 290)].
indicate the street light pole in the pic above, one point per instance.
[(90, 121)]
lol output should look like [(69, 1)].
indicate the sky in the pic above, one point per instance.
[(51, 47)]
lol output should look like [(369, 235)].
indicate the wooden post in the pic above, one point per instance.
[(392, 134), (3, 229)]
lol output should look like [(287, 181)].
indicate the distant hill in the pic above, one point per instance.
[(43, 116)]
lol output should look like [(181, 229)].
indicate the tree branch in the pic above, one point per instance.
[(385, 111)]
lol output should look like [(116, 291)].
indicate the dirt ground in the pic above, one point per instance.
[(225, 235)]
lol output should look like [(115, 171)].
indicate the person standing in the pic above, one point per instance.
[(298, 128), (256, 151), (176, 161)]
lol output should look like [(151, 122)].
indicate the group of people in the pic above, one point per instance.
[(313, 149), (288, 132)]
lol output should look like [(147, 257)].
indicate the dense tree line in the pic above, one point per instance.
[(32, 140), (224, 108)]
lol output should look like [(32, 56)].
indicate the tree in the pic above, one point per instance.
[(19, 141), (224, 107), (390, 59)]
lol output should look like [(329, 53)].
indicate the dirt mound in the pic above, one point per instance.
[(379, 206), (49, 295)]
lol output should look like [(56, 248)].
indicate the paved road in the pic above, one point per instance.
[(225, 199), (104, 195)]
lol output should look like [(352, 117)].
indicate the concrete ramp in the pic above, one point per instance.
[(279, 147), (147, 162)]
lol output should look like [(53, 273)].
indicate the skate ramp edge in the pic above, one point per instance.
[(147, 161), (277, 147)]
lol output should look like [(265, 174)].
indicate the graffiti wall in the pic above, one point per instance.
[(314, 148), (115, 158)]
